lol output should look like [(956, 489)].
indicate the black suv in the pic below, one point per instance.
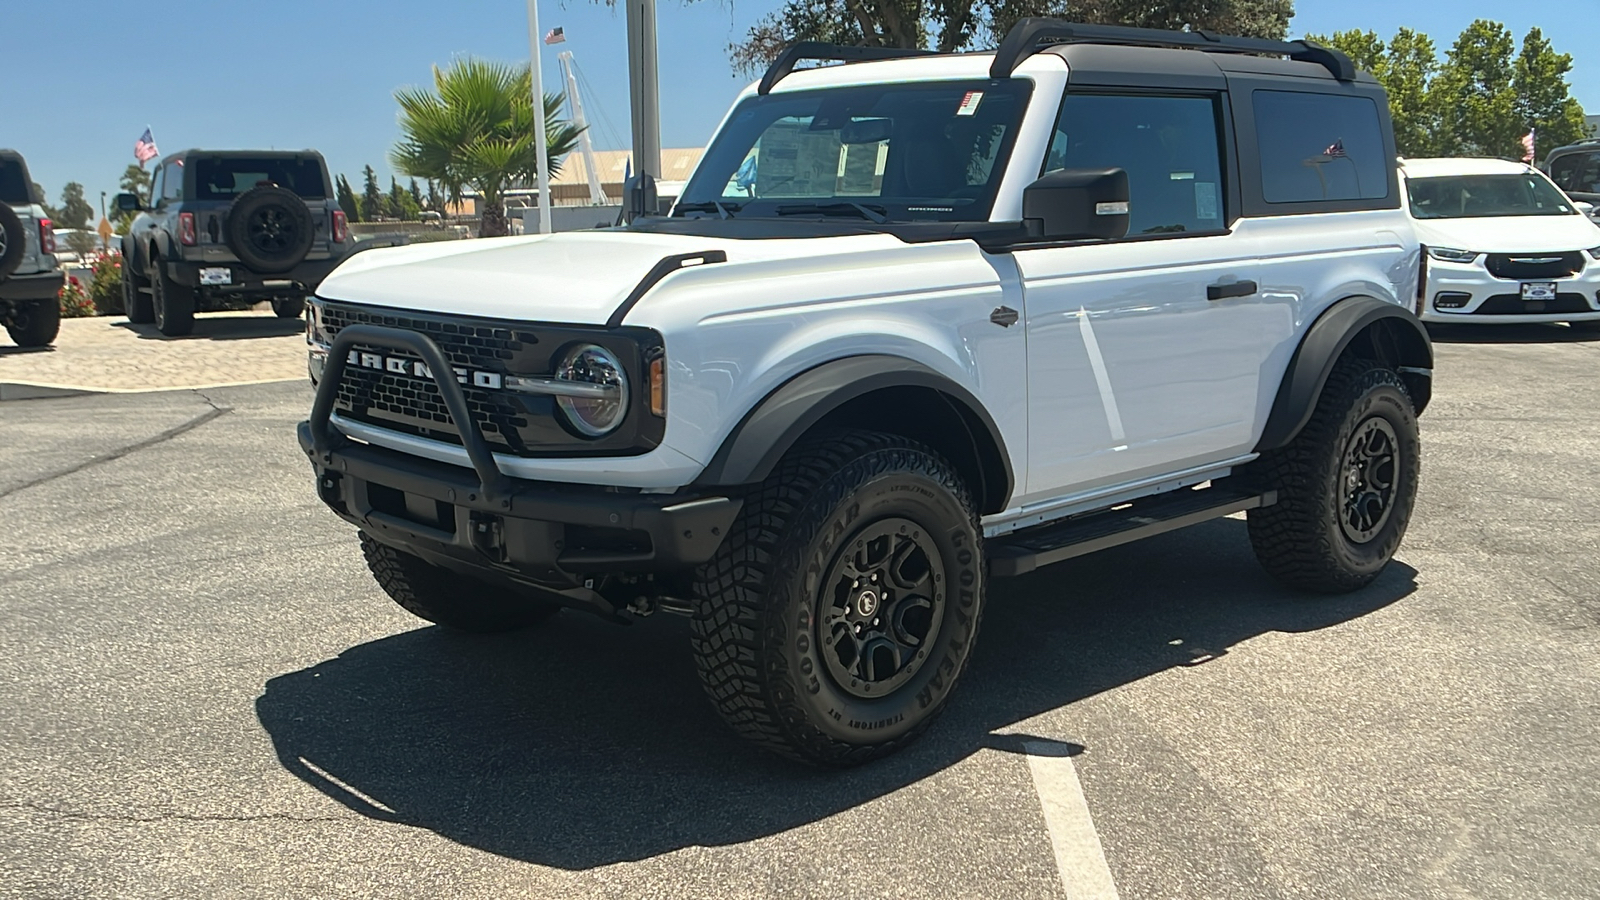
[(1575, 169), (223, 230)]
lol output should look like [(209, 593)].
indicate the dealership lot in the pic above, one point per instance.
[(206, 695)]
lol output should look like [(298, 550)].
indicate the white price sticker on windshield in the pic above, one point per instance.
[(969, 103)]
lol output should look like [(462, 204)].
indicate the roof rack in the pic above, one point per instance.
[(1032, 34), (784, 64)]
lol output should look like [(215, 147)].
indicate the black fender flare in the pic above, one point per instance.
[(754, 447), (1402, 342)]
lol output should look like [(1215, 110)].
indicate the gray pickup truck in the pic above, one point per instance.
[(29, 276), (226, 229)]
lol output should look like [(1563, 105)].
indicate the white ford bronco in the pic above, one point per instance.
[(915, 322)]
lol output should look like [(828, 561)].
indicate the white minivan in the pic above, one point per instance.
[(1502, 245)]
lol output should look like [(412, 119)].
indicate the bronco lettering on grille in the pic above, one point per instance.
[(412, 368)]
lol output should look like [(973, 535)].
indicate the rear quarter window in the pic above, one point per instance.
[(14, 188), (1319, 147), (1578, 172)]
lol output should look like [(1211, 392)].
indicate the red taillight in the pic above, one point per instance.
[(341, 228), (47, 237), (186, 229)]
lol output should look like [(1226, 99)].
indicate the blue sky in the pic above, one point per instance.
[(298, 73)]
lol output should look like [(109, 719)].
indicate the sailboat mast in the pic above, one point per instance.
[(597, 195)]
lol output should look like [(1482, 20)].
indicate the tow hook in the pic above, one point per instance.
[(328, 489), (488, 536)]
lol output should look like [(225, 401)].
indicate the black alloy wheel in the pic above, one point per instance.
[(272, 230), (1371, 466), (879, 607)]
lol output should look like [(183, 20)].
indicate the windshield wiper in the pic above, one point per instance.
[(875, 215), (723, 210)]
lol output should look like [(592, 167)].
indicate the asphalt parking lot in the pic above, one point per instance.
[(205, 695)]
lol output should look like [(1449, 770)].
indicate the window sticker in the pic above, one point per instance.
[(1205, 200), (969, 103)]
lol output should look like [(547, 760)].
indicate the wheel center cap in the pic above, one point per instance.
[(866, 603)]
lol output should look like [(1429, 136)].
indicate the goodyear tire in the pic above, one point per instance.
[(269, 229), (172, 303), (289, 307), (136, 304), (839, 613), (1346, 484), (13, 240), (445, 598), (36, 325)]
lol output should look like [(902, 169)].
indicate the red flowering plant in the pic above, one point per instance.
[(105, 287)]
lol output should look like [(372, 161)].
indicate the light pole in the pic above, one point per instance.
[(644, 92), (534, 40)]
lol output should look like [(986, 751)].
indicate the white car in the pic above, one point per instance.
[(1503, 245), (915, 321)]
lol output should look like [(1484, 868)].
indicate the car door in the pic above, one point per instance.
[(1144, 353)]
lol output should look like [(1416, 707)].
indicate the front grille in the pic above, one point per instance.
[(1561, 265), (414, 405), (1514, 305)]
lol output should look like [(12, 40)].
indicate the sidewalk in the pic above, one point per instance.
[(108, 354)]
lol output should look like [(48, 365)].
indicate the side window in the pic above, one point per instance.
[(155, 185), (1577, 172), (172, 189), (1169, 147), (1320, 147)]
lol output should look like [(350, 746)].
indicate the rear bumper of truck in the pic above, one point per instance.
[(28, 288), (299, 281), (564, 538)]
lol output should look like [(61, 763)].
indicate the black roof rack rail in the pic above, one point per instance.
[(784, 64), (1032, 34)]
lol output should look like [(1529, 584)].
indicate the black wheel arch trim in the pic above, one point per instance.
[(777, 423), (1407, 347)]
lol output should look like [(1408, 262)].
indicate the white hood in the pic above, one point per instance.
[(1510, 234)]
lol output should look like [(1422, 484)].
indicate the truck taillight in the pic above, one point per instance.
[(341, 228), (186, 232), (47, 236)]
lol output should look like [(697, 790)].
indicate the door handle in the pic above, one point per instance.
[(1225, 289)]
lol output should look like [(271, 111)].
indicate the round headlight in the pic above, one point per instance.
[(598, 411)]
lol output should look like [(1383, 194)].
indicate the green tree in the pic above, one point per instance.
[(50, 212), (474, 129), (949, 25), (372, 202), (347, 199), (401, 205), (1405, 66), (1476, 79), (75, 212), (1543, 101), (435, 199), (134, 181)]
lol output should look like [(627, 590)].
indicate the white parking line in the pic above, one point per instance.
[(1080, 860)]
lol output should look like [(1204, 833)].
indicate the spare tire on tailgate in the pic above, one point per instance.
[(13, 240), (269, 229)]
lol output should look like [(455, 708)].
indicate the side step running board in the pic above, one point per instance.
[(1024, 551)]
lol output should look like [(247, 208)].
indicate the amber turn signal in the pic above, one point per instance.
[(658, 386)]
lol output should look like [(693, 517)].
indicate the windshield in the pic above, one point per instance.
[(883, 152), (1577, 172), (1477, 196), (227, 177)]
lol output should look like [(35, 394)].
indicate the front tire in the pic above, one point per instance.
[(836, 618), (37, 325), (173, 303), (1346, 484), (445, 598)]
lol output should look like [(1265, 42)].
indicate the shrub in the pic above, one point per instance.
[(105, 289), (75, 302)]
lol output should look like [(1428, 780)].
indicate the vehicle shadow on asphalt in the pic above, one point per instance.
[(12, 350), (230, 328), (584, 743), (1537, 333)]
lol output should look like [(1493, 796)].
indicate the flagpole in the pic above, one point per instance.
[(538, 119)]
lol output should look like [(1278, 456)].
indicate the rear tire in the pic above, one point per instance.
[(172, 303), (13, 240), (445, 598), (840, 612), (289, 307), (36, 325), (136, 304), (1346, 484)]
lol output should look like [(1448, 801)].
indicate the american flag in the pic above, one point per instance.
[(1527, 144), (555, 36), (1336, 150), (144, 149)]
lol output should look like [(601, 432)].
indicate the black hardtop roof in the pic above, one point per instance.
[(1096, 52), (1590, 145), (242, 154)]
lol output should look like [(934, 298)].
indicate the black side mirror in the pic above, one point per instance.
[(127, 203), (639, 197), (1078, 203)]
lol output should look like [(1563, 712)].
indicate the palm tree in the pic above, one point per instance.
[(475, 129)]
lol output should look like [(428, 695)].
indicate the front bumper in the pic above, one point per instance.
[(556, 536), (1488, 300), (27, 288)]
